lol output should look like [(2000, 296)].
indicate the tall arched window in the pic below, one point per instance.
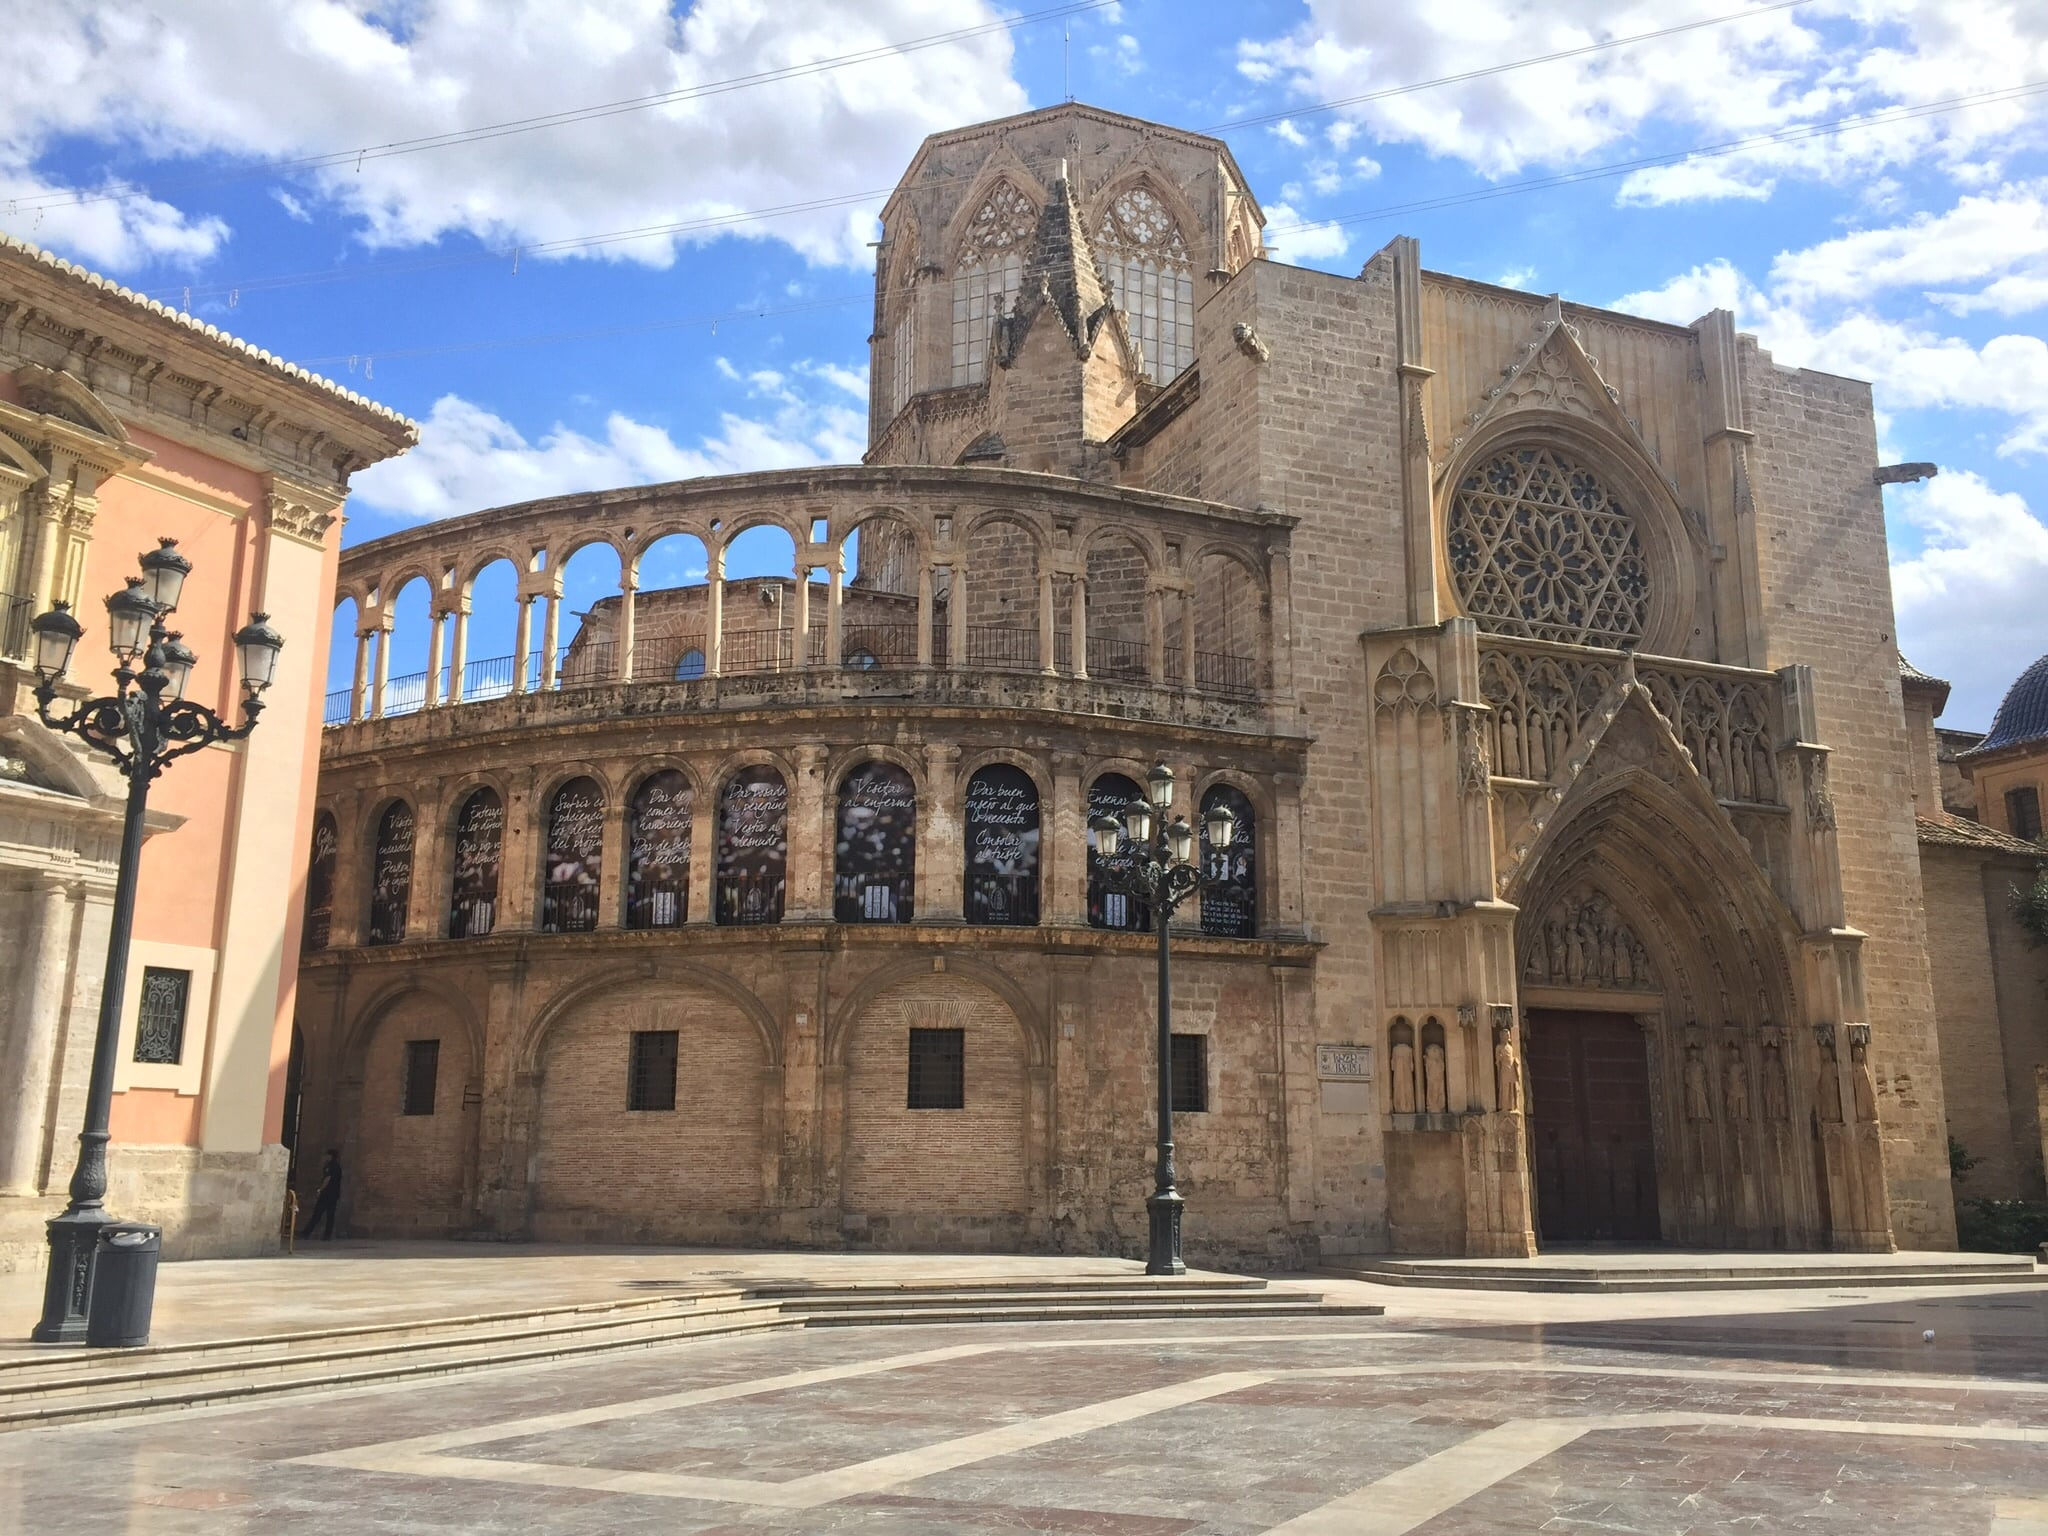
[(479, 857), (391, 875), (753, 847), (1151, 277), (903, 329), (1230, 903), (988, 268), (1001, 836), (658, 831), (1539, 547), (875, 857), (320, 883), (574, 873), (1108, 908)]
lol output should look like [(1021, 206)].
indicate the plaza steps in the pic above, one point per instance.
[(61, 1385), (1625, 1273)]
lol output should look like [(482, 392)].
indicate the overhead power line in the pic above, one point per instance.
[(1360, 216), (362, 154), (852, 199)]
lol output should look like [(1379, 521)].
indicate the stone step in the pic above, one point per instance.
[(1516, 1275), (79, 1386), (1187, 1282)]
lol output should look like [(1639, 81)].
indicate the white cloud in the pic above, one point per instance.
[(297, 77), (1774, 70), (1980, 237), (1290, 237), (1969, 601), (1517, 277), (1123, 54), (470, 458)]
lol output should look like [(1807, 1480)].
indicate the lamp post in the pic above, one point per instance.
[(1163, 874), (143, 725)]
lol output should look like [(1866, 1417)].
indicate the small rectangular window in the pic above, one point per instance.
[(938, 1069), (651, 1081), (160, 1026), (422, 1066), (1190, 1074), (2023, 813)]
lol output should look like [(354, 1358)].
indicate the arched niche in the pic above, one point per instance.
[(875, 845)]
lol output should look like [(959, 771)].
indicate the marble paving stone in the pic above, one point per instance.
[(1296, 1427)]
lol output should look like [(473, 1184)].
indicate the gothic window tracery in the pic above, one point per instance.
[(1540, 547), (903, 332), (989, 267), (1152, 279)]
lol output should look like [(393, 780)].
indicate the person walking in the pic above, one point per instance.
[(328, 1196)]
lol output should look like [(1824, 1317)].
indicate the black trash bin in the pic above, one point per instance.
[(123, 1285)]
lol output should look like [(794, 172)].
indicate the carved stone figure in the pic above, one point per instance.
[(1766, 777), (1820, 804), (1735, 1081), (1774, 1092), (1507, 1077), (1402, 1058), (1699, 1104), (1861, 1082), (1435, 1096)]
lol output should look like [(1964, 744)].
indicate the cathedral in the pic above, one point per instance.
[(1544, 654)]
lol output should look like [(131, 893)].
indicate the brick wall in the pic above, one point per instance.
[(405, 1174)]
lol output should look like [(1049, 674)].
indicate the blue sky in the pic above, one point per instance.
[(1912, 251)]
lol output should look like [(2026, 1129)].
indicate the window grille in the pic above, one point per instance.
[(160, 1027), (2023, 813), (1190, 1070), (422, 1067), (990, 267), (1539, 548), (651, 1081), (1152, 279), (938, 1069)]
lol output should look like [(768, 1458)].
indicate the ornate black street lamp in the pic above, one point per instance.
[(1163, 874), (143, 725)]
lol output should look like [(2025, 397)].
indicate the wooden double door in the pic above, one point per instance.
[(1590, 1128)]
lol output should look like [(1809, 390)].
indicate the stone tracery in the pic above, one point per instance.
[(1539, 547), (1151, 276), (990, 265)]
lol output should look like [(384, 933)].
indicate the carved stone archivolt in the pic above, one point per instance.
[(1584, 941)]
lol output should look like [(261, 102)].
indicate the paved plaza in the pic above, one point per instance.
[(1457, 1412)]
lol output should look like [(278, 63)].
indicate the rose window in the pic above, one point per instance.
[(1538, 547)]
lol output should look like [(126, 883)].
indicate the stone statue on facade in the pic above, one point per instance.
[(1861, 1081), (1699, 1105), (1775, 1106), (1435, 1096), (1507, 1077), (1402, 1069), (1736, 1083)]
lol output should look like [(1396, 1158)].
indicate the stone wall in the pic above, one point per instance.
[(1827, 598)]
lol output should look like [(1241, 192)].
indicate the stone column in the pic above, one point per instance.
[(1080, 623), (1046, 626), (611, 885), (714, 613), (49, 514), (361, 683), (629, 591), (835, 572), (32, 1043), (551, 639), (1064, 837), (924, 616), (810, 840), (1280, 850), (1280, 627), (1155, 634), (940, 857), (956, 617), (384, 627), (351, 872), (800, 620), (1187, 638), (522, 644), (436, 648), (458, 658)]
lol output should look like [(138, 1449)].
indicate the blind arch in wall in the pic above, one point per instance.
[(1230, 905), (753, 847), (574, 874), (320, 882), (659, 826), (875, 853), (479, 859), (1108, 908), (391, 874), (1001, 835)]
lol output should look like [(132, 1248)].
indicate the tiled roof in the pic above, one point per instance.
[(1913, 674), (2023, 715), (1956, 832), (212, 333)]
